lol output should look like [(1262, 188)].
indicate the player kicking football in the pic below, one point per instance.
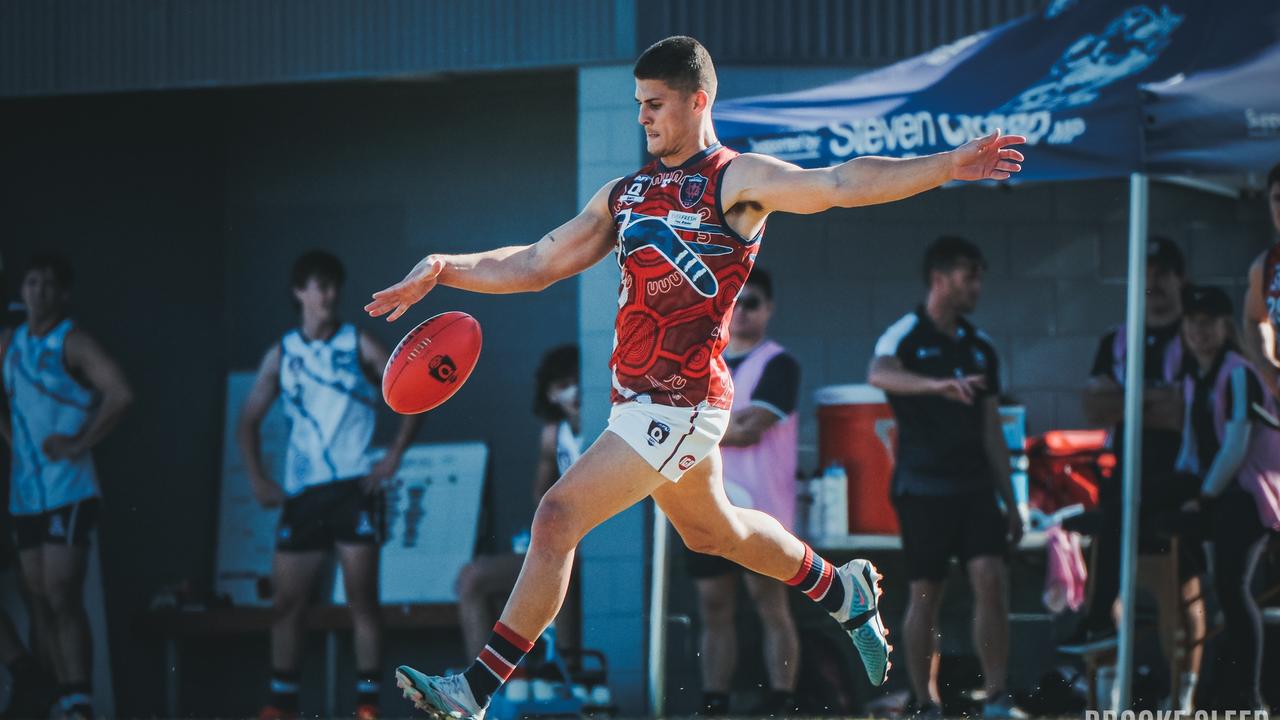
[(686, 228)]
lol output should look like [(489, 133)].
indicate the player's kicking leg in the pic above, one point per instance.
[(708, 523), (607, 479)]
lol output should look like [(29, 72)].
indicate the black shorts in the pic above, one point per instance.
[(66, 525), (705, 567), (938, 528), (336, 512)]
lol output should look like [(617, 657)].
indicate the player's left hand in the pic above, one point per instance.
[(382, 475), (987, 158), (61, 447), (398, 298)]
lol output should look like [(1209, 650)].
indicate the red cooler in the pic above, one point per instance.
[(856, 427)]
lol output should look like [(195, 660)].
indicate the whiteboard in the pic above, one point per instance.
[(432, 515), (433, 511)]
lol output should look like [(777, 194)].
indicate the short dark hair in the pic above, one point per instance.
[(560, 363), (54, 262), (948, 251), (679, 61), (317, 264), (1273, 177), (761, 280)]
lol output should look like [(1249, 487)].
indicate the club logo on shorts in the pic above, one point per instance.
[(56, 528), (691, 189), (658, 433), (686, 462), (443, 368)]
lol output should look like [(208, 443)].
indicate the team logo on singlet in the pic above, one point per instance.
[(443, 368), (691, 189), (686, 462), (658, 433)]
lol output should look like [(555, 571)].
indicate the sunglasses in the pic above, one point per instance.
[(750, 302)]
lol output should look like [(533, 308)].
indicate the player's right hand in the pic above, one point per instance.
[(962, 390), (268, 493), (398, 298)]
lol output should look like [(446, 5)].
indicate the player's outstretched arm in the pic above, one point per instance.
[(776, 185), (266, 386), (561, 253)]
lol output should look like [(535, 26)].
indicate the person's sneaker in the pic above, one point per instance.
[(271, 712), (439, 697), (367, 712), (860, 617), (1002, 707), (1089, 640)]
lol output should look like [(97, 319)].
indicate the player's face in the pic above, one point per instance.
[(1164, 291), (751, 314), (564, 393), (318, 298), (669, 117), (1273, 199), (1205, 334), (42, 295), (963, 286)]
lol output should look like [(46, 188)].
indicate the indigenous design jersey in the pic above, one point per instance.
[(682, 268), (1271, 285), (330, 406), (44, 399)]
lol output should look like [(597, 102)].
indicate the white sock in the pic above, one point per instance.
[(1187, 691), (1108, 689)]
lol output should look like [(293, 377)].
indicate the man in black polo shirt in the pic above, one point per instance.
[(941, 376)]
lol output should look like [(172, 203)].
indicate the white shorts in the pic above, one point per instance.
[(670, 439)]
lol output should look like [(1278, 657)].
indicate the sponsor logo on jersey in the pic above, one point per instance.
[(979, 359), (658, 433), (443, 368), (928, 352), (636, 189), (686, 462), (691, 190), (684, 220)]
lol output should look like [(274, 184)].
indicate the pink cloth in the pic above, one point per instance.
[(762, 476), (1065, 577)]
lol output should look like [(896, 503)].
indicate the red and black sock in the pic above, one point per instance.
[(817, 580), (496, 662)]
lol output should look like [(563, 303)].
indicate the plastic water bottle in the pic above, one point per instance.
[(836, 497)]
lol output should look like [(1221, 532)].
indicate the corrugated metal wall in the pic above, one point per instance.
[(84, 46), (55, 47), (827, 32)]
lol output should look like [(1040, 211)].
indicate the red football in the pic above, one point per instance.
[(431, 363)]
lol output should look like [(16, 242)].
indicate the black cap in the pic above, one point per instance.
[(1206, 300), (1165, 253)]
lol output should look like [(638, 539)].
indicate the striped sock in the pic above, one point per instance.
[(497, 661), (816, 578)]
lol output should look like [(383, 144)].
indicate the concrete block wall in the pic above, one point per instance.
[(1055, 282), (612, 559)]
